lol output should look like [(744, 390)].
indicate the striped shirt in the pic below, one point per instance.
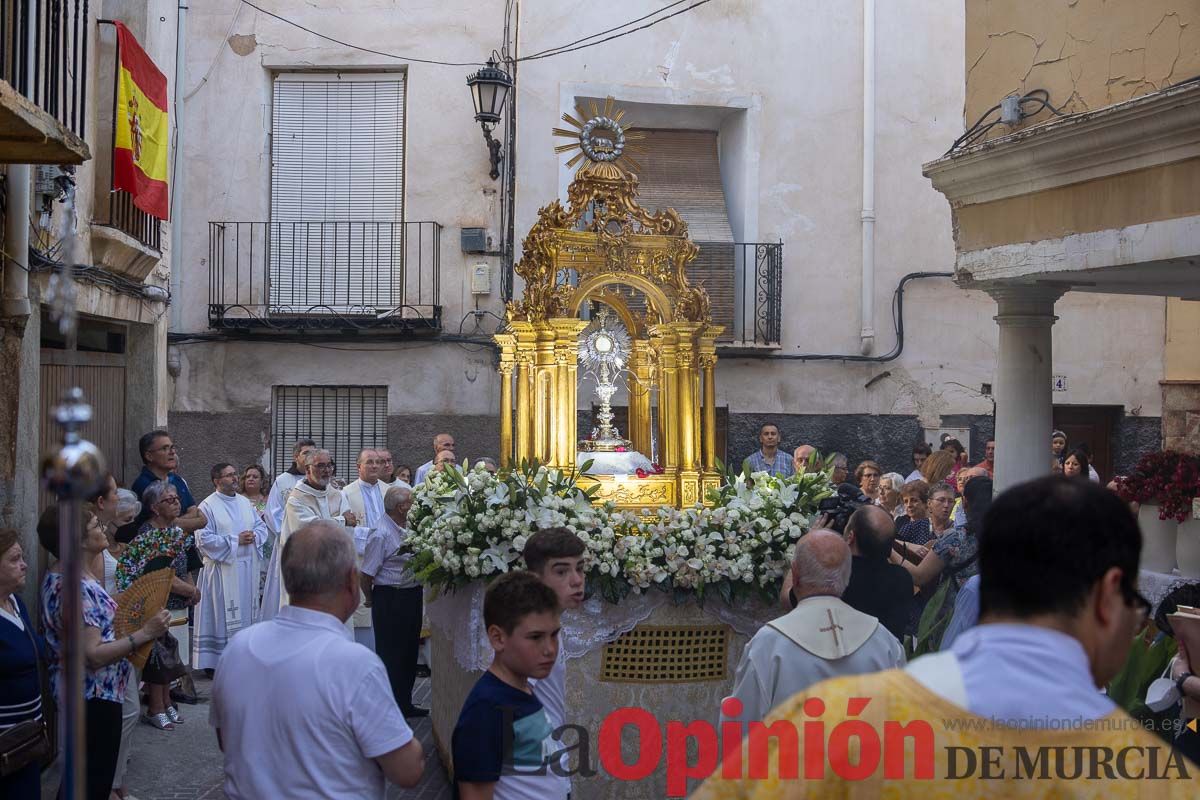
[(781, 465)]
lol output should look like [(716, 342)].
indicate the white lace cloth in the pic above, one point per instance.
[(1154, 586), (627, 463), (460, 615)]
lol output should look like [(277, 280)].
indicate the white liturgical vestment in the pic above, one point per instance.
[(820, 638), (229, 580)]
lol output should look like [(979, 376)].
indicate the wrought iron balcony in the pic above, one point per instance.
[(744, 281), (300, 275), (129, 219), (44, 71)]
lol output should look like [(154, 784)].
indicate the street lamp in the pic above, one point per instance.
[(489, 91)]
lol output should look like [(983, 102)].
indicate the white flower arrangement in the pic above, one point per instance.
[(473, 524)]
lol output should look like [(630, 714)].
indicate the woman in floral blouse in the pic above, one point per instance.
[(159, 539), (106, 669)]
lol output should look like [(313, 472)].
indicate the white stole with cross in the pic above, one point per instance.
[(826, 627), (230, 583)]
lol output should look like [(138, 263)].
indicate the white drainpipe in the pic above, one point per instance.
[(177, 176), (867, 333)]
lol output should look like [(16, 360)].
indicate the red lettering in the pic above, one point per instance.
[(787, 751), (731, 738), (895, 751), (839, 749), (649, 744), (814, 740), (678, 768)]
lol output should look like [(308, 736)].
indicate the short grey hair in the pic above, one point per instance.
[(396, 496), (128, 503), (155, 492), (316, 558), (822, 563), (895, 478), (488, 462), (313, 454)]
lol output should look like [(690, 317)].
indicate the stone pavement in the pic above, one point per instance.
[(185, 764)]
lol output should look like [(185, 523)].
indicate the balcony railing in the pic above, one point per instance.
[(44, 55), (296, 275), (129, 219), (744, 281)]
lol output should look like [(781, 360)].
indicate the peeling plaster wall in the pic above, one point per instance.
[(805, 148), (1086, 53)]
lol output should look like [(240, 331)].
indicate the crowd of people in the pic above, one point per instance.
[(302, 609)]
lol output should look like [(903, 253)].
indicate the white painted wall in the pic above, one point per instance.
[(779, 79)]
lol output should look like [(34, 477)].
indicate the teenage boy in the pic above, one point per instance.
[(502, 742)]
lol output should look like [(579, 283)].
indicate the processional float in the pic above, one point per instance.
[(605, 249)]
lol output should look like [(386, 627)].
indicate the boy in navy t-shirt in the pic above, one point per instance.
[(502, 742)]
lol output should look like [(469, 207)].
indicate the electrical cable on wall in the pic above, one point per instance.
[(547, 53), (976, 132)]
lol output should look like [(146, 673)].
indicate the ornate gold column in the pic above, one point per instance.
[(526, 343), (564, 436), (662, 338), (545, 392), (507, 344), (686, 404), (641, 369), (708, 366)]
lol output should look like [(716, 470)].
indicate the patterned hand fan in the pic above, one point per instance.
[(144, 598)]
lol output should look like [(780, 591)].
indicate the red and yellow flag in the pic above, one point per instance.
[(140, 128)]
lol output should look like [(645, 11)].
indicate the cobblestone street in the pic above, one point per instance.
[(185, 764)]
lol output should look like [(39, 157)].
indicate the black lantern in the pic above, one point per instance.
[(489, 91)]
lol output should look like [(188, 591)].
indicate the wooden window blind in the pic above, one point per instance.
[(681, 170), (341, 419), (337, 191)]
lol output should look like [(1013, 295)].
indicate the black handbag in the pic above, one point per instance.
[(25, 742)]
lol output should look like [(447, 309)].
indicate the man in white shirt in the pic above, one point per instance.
[(822, 637), (443, 441), (276, 500), (301, 711), (365, 497), (229, 544), (394, 598)]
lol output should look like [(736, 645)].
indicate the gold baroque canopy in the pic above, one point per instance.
[(604, 240)]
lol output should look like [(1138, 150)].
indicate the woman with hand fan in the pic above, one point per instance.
[(106, 668)]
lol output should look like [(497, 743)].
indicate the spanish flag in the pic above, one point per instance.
[(140, 128)]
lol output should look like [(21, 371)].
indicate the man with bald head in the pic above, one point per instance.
[(822, 637), (801, 456), (877, 586), (300, 709)]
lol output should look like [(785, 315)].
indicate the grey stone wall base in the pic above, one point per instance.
[(206, 438), (410, 436), (1134, 438)]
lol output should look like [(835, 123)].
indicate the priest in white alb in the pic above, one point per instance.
[(276, 501), (315, 498), (230, 544), (820, 638)]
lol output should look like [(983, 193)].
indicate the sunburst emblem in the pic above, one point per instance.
[(603, 138)]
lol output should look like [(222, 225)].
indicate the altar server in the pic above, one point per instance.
[(230, 544), (276, 501), (820, 638)]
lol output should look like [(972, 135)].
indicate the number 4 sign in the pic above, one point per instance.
[(1060, 383)]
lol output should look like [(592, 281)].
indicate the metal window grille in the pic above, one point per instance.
[(340, 419), (667, 654), (337, 166)]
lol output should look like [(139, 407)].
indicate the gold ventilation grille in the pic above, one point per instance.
[(667, 654)]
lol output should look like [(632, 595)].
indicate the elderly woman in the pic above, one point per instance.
[(929, 516), (841, 468), (889, 494), (106, 668), (158, 544), (868, 473), (20, 650)]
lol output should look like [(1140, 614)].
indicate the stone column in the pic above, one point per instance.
[(1024, 412)]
